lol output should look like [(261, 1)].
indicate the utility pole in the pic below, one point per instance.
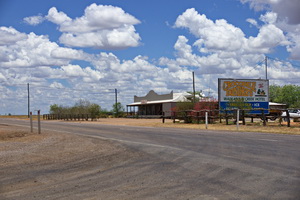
[(194, 92), (266, 64), (28, 100)]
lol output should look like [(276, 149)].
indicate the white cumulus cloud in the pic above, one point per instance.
[(285, 15), (102, 27), (34, 20), (20, 50)]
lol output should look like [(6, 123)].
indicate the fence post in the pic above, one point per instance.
[(174, 116), (264, 117), (198, 117), (288, 118), (226, 117), (243, 117), (31, 125)]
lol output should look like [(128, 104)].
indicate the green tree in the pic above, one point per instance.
[(287, 94), (118, 110), (56, 109), (94, 110), (81, 106), (274, 91)]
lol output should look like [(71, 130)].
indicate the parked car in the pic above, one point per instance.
[(293, 114), (275, 110)]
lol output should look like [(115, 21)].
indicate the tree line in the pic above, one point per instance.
[(85, 107), (287, 94)]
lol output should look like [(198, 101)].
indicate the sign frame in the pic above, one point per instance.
[(246, 94)]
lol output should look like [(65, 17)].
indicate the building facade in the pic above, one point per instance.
[(156, 105)]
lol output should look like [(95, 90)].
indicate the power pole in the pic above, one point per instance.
[(266, 64), (194, 92), (28, 100)]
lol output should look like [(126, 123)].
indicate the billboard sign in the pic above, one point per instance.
[(244, 94)]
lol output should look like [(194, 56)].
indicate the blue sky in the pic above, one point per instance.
[(72, 49)]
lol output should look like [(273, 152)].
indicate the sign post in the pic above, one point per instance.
[(244, 94), (237, 119), (206, 120)]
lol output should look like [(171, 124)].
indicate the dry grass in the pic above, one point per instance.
[(25, 117), (8, 132), (272, 127)]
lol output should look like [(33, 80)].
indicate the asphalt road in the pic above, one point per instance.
[(200, 164)]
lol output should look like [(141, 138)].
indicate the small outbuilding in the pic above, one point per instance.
[(154, 105)]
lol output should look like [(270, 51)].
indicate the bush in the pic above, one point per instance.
[(82, 107)]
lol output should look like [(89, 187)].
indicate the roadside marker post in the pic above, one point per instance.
[(206, 120), (237, 119), (39, 121), (31, 125)]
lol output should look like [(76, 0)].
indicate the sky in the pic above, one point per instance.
[(69, 50)]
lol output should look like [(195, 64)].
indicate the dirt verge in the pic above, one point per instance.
[(34, 165)]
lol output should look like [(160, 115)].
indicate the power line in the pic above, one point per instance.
[(283, 61)]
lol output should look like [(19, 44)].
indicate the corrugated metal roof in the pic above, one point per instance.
[(177, 97)]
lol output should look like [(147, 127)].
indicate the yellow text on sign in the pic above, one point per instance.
[(239, 88)]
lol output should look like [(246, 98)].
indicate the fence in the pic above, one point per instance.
[(78, 117), (189, 116)]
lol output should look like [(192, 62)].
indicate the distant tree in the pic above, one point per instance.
[(94, 110), (274, 92), (287, 94), (81, 107), (118, 110), (56, 109)]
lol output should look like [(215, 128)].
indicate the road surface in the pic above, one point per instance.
[(185, 164)]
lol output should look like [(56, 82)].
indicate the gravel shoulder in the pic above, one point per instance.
[(52, 165), (57, 165)]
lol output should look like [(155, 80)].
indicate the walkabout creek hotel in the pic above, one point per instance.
[(254, 93), (155, 105)]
